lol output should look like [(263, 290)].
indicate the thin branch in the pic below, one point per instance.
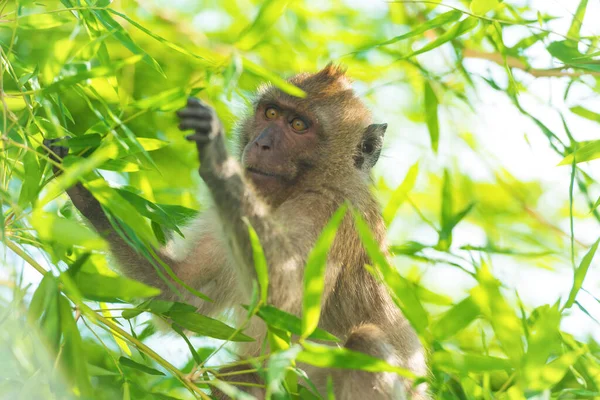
[(514, 62)]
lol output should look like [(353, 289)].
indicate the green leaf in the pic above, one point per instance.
[(111, 288), (122, 36), (260, 262), (456, 319), (431, 116), (400, 193), (585, 113), (445, 236), (314, 274), (551, 374), (96, 72), (442, 19), (464, 362), (499, 313), (67, 232), (480, 7), (587, 152), (269, 13), (195, 355), (401, 290), (565, 50), (543, 340), (78, 170), (527, 42), (127, 362), (581, 272), (121, 209), (207, 326), (338, 357), (274, 79), (577, 20), (458, 29), (278, 366), (73, 356), (205, 58), (290, 323), (31, 180)]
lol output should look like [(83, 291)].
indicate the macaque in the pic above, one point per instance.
[(299, 160)]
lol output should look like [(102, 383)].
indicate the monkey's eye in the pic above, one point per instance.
[(298, 125), (367, 147), (271, 113)]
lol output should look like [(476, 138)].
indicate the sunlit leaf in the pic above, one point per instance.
[(431, 116), (314, 273), (111, 288), (339, 357), (456, 319), (207, 326), (458, 29), (581, 272), (481, 7), (260, 262), (127, 362), (399, 195), (587, 152), (287, 322)]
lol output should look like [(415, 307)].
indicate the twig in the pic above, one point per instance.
[(514, 62)]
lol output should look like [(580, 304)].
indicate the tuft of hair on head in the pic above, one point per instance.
[(328, 81), (333, 71)]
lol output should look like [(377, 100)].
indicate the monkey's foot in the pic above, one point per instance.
[(202, 119)]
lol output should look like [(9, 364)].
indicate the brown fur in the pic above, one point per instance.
[(319, 173)]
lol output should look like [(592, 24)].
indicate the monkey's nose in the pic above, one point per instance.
[(263, 146)]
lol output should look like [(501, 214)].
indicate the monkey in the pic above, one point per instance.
[(297, 161)]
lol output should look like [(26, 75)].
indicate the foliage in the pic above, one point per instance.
[(109, 74)]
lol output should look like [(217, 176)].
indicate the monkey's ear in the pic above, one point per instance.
[(370, 147), (377, 129)]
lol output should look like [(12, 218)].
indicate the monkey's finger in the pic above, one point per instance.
[(198, 137), (195, 124), (194, 112)]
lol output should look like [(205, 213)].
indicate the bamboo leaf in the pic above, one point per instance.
[(338, 357), (127, 362), (314, 273), (458, 29), (260, 262), (580, 273), (577, 20), (207, 326), (286, 322), (456, 319), (431, 116), (587, 152), (480, 7), (400, 193)]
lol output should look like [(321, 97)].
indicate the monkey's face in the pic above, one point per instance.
[(282, 144)]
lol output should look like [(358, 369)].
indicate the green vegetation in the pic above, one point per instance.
[(110, 75)]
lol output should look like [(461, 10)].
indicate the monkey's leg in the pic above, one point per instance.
[(358, 385)]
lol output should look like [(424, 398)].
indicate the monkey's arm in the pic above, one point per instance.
[(286, 246), (201, 262)]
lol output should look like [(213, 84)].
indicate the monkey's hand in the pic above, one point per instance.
[(202, 119), (56, 152)]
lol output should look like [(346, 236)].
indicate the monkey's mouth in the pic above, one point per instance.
[(262, 173)]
